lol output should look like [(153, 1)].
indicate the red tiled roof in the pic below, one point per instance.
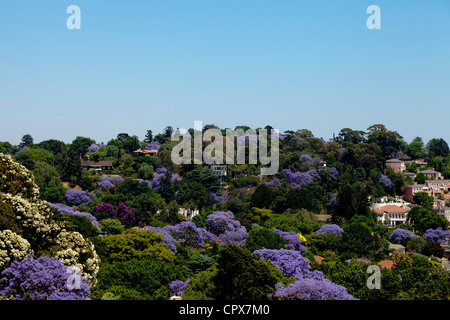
[(318, 258), (386, 264), (391, 209)]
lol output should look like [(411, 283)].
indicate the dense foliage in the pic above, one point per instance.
[(150, 229)]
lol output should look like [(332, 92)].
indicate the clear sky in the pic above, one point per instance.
[(293, 64)]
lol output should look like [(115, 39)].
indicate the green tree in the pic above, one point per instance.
[(389, 141), (112, 226), (357, 238), (145, 171), (433, 249), (131, 144), (41, 155), (348, 136), (147, 205), (77, 224), (46, 176), (243, 276), (423, 219), (259, 238), (193, 194), (80, 145), (149, 136), (308, 198), (423, 199), (352, 200), (263, 197), (145, 276), (205, 177), (437, 147), (52, 145), (420, 178), (122, 137), (26, 140), (168, 131), (415, 149), (132, 244), (201, 286)]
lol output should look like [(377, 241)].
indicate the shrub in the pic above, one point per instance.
[(132, 244), (400, 236), (42, 279), (112, 226), (146, 276), (259, 238), (76, 197), (329, 229)]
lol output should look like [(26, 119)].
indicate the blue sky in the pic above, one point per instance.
[(138, 65)]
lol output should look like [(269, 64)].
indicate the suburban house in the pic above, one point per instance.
[(438, 203), (404, 157), (219, 169), (431, 174), (431, 187), (392, 215), (104, 166), (410, 174), (411, 190), (147, 153), (398, 166), (188, 213), (443, 211)]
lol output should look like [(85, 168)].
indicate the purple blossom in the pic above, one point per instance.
[(106, 182), (292, 240), (329, 229), (126, 213), (154, 145), (189, 235), (77, 197), (168, 239), (437, 235), (309, 285), (299, 179), (220, 221), (228, 230), (93, 148), (237, 237), (333, 200), (177, 287), (305, 158), (43, 279), (155, 184), (274, 183), (290, 262), (312, 289), (401, 235), (333, 173), (22, 150), (121, 211), (385, 182), (215, 198), (69, 210)]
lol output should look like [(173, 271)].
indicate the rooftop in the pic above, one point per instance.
[(391, 209), (394, 161), (386, 264), (429, 171), (100, 163)]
